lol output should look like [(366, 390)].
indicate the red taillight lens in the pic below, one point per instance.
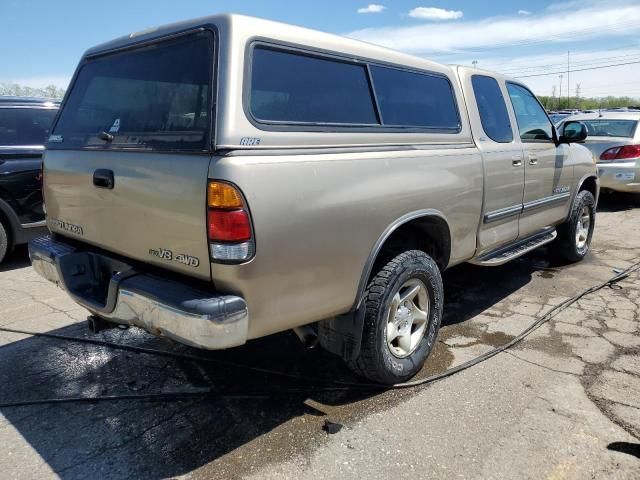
[(228, 225), (621, 153)]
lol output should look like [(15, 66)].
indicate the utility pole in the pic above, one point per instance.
[(578, 95), (475, 63), (560, 95), (553, 95), (568, 79)]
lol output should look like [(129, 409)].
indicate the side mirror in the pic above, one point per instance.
[(573, 132)]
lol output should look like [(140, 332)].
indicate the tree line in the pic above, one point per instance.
[(13, 89), (586, 103)]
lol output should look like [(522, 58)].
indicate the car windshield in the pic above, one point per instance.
[(156, 97), (610, 128), (25, 126)]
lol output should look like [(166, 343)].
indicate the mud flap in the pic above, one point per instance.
[(342, 335)]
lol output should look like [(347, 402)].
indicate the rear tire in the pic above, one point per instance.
[(574, 236), (403, 310), (4, 241)]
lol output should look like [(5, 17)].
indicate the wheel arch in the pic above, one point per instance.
[(342, 335), (426, 230), (10, 220), (590, 183)]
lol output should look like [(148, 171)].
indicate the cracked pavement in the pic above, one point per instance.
[(563, 404)]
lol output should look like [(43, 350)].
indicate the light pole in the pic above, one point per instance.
[(560, 94)]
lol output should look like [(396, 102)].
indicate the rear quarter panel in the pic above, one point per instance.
[(318, 216)]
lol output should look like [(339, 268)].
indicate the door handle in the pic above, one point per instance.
[(533, 160), (516, 162), (103, 178)]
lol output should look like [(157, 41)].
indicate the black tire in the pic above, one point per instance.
[(566, 246), (4, 241), (376, 360)]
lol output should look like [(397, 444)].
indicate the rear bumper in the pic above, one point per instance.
[(621, 176), (28, 231), (113, 290)]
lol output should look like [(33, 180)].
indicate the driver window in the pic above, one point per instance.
[(533, 123)]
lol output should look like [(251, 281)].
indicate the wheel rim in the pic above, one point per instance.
[(407, 318), (582, 229)]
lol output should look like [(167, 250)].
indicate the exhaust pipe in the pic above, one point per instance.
[(97, 324), (307, 336)]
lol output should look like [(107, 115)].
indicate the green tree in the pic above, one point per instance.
[(13, 89), (582, 103)]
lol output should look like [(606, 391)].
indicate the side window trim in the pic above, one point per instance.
[(510, 82), (275, 125)]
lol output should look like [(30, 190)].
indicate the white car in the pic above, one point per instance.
[(614, 140)]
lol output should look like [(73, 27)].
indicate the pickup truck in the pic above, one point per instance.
[(222, 179), (24, 128)]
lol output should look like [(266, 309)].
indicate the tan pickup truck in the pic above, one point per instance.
[(226, 178)]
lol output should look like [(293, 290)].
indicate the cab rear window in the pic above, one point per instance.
[(156, 98)]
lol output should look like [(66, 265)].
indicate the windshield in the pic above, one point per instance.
[(25, 126), (156, 97), (610, 128)]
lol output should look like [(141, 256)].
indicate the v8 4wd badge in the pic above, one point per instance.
[(168, 255)]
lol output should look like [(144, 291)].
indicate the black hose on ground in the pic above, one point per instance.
[(319, 386)]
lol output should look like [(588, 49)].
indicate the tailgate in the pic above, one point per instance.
[(155, 212), (126, 166)]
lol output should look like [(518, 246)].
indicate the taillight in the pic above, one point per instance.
[(621, 153), (228, 224)]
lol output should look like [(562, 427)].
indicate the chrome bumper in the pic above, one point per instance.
[(621, 176), (160, 306)]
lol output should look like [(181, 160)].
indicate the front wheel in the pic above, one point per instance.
[(574, 236), (403, 310)]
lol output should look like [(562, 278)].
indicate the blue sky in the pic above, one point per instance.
[(43, 40)]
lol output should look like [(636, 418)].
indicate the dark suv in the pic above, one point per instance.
[(24, 127)]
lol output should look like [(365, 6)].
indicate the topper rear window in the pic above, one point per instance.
[(156, 97)]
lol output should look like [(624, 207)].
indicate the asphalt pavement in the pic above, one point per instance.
[(563, 404)]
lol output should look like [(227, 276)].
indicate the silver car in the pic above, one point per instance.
[(614, 140)]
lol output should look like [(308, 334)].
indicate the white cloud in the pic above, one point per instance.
[(593, 20), (433, 13), (524, 12), (372, 8)]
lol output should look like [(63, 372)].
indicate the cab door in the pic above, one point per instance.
[(493, 128), (548, 176)]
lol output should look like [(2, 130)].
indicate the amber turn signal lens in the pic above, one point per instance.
[(223, 195)]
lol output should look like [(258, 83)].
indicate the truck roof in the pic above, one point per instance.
[(244, 27)]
